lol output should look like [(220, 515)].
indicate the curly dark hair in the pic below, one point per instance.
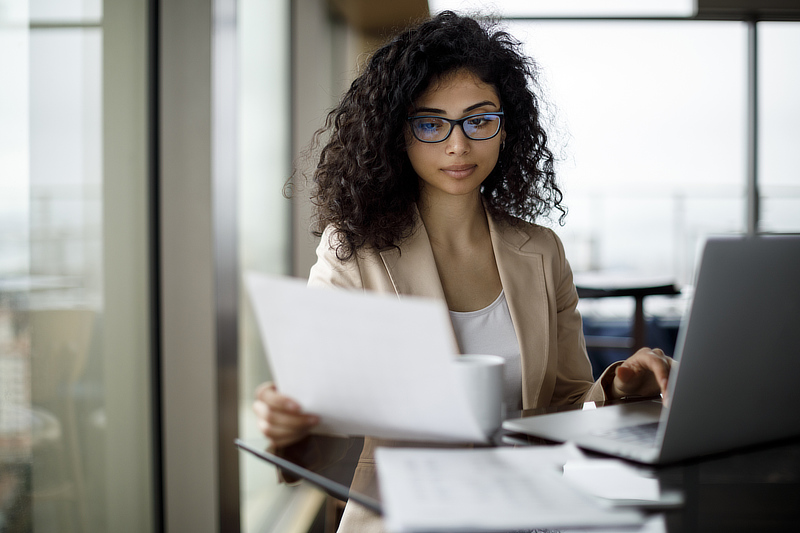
[(364, 185)]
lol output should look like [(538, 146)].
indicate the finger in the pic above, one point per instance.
[(283, 429), (269, 395), (283, 403), (643, 374), (287, 429), (261, 409), (270, 416), (628, 380), (265, 389), (281, 437), (625, 373), (659, 365), (264, 394), (291, 421), (655, 366), (632, 370)]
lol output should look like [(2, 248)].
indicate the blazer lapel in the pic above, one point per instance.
[(412, 267), (523, 279), (412, 271)]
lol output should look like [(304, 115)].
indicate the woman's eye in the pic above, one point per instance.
[(477, 121), (428, 125)]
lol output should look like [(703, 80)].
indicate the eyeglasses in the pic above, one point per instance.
[(433, 129)]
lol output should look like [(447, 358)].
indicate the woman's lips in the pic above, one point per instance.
[(459, 171)]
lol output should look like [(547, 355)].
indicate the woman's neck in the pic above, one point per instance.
[(454, 221), (462, 248)]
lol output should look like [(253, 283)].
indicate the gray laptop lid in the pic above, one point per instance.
[(739, 350), (738, 355)]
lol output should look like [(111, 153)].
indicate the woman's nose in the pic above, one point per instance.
[(458, 142)]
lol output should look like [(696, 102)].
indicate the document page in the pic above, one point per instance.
[(367, 364), (490, 489)]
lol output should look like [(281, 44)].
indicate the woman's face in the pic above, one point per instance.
[(458, 165)]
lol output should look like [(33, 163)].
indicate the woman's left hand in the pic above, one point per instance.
[(645, 373)]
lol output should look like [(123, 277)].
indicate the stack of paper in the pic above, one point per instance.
[(492, 489)]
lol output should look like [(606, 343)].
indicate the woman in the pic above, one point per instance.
[(435, 171)]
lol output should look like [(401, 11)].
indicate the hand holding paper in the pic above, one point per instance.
[(280, 418), (366, 364)]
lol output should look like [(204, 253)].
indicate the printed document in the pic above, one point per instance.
[(367, 364), (489, 489)]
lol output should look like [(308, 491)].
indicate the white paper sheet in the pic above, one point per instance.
[(366, 364), (490, 489), (611, 479), (618, 483), (655, 523)]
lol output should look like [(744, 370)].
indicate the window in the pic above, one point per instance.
[(75, 425), (649, 119), (779, 126), (264, 224)]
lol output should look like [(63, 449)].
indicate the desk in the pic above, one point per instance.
[(755, 489)]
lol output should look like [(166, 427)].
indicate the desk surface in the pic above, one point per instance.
[(754, 489)]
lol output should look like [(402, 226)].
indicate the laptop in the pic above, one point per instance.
[(738, 354)]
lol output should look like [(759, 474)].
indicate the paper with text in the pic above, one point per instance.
[(367, 364), (489, 489)]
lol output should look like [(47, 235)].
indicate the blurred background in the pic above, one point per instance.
[(145, 146)]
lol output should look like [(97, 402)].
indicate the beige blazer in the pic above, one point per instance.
[(542, 299)]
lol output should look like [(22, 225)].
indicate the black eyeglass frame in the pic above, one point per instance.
[(458, 122)]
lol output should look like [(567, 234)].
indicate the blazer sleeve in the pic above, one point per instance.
[(574, 382)]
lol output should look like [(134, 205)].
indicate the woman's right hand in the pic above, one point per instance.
[(280, 418)]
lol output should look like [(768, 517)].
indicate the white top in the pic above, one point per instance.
[(490, 331)]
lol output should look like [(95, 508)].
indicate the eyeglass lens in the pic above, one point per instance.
[(476, 127)]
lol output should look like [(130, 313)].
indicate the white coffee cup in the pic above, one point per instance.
[(482, 378)]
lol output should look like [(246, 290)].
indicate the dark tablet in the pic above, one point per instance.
[(331, 487)]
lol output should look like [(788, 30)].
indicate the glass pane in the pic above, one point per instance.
[(74, 339), (65, 245), (15, 284), (264, 229), (779, 126), (62, 11), (648, 119), (570, 8)]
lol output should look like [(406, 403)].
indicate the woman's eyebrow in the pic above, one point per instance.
[(437, 111), (481, 104)]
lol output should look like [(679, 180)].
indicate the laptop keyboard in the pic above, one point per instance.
[(642, 434)]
